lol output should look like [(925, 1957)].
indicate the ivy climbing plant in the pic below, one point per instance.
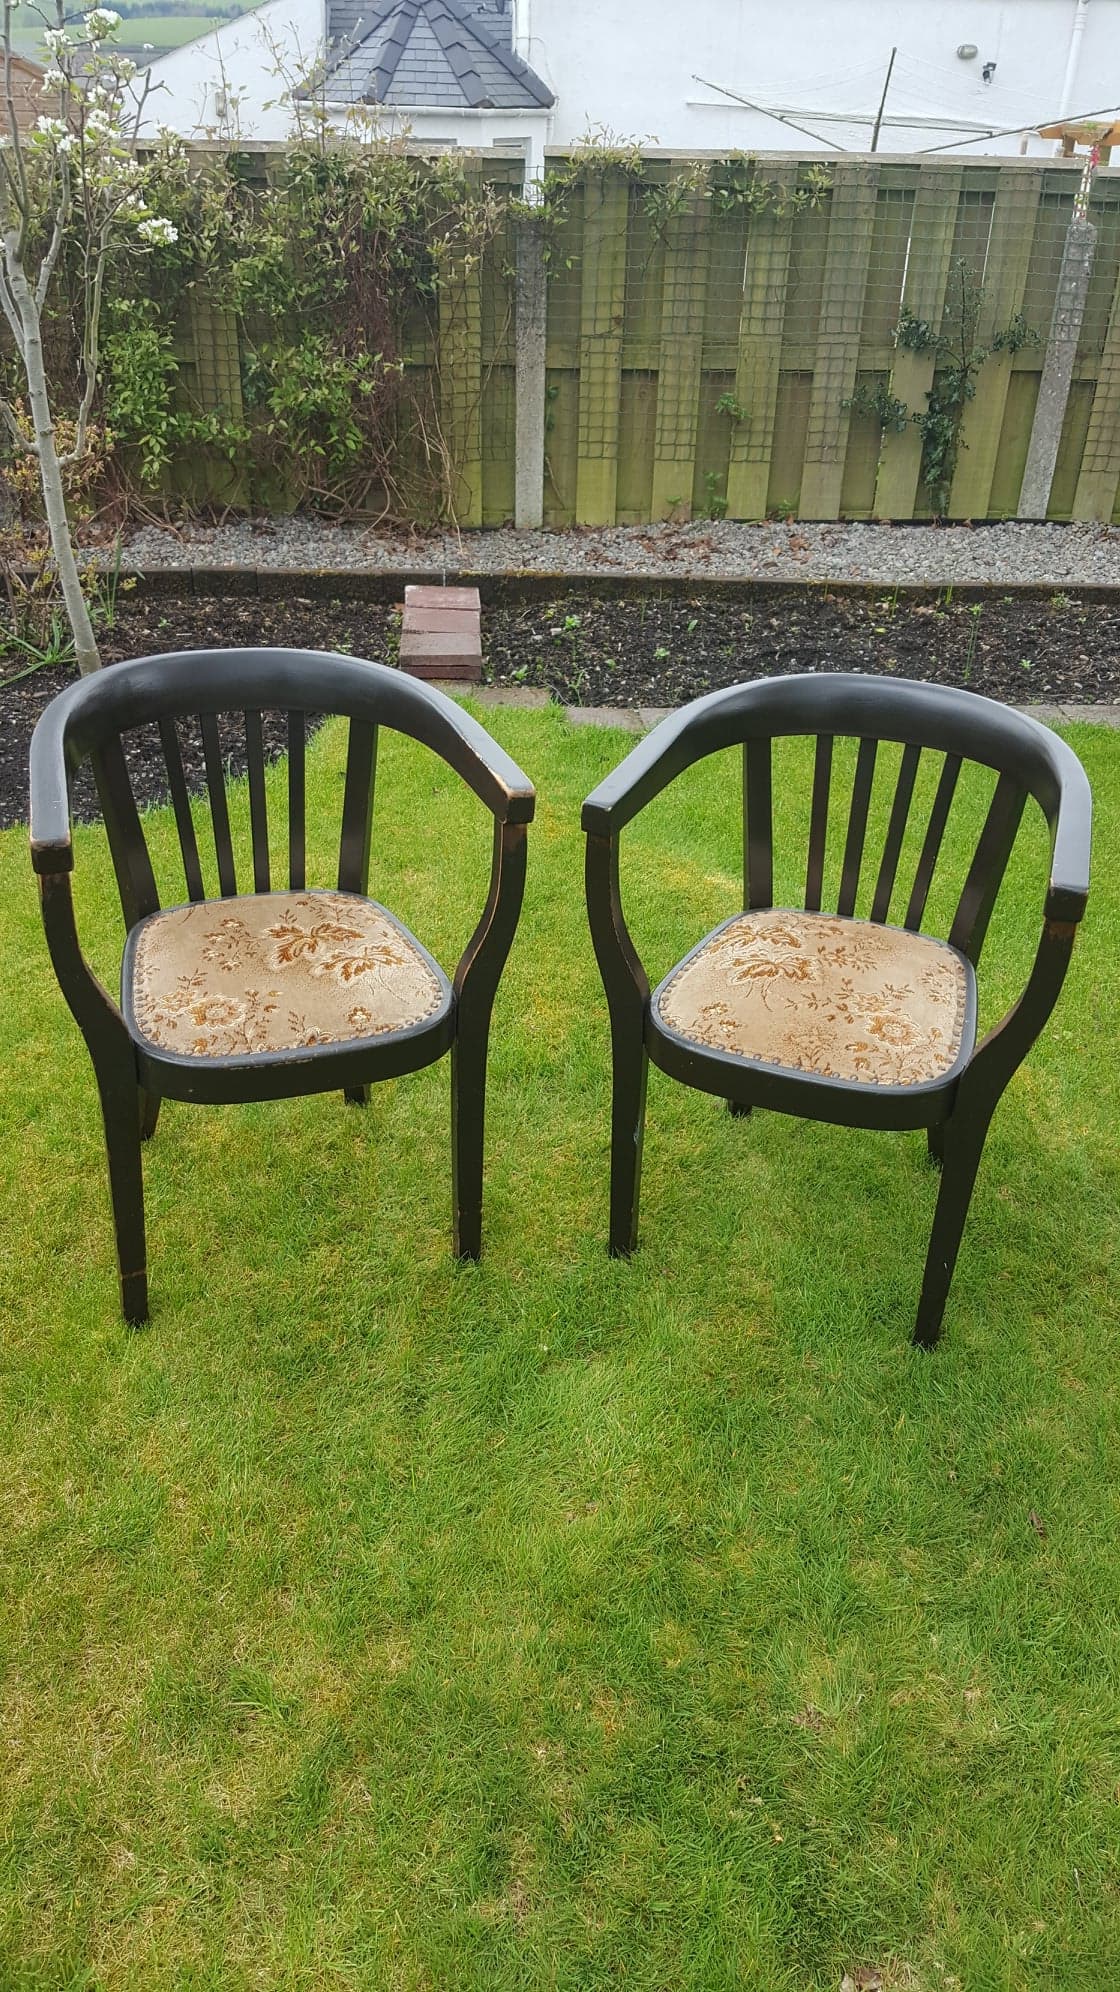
[(959, 356)]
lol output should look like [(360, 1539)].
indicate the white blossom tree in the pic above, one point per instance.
[(73, 179)]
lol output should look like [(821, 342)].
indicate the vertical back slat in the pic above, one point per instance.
[(857, 826), (357, 808), (758, 823), (938, 817), (181, 802), (818, 823), (258, 806), (297, 807), (135, 878), (219, 806), (988, 866), (896, 830)]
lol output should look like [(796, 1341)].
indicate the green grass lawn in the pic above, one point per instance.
[(370, 1621)]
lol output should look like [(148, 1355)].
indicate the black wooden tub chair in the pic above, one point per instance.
[(828, 1016), (270, 993)]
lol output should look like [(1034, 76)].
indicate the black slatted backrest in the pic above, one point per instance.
[(898, 866), (934, 731), (985, 871), (357, 808), (220, 701), (224, 738)]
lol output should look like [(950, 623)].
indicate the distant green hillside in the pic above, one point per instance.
[(161, 30)]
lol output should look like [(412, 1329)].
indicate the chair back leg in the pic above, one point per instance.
[(121, 1114), (356, 1096), (628, 1123), (961, 1146), (149, 1113)]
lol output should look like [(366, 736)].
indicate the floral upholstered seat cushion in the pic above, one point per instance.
[(276, 971), (817, 993)]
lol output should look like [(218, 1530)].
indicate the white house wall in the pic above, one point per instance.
[(632, 68), (231, 82), (234, 83)]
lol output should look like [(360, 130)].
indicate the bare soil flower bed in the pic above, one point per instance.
[(655, 649)]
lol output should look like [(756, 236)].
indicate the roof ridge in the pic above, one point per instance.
[(510, 62), (379, 42), (381, 13)]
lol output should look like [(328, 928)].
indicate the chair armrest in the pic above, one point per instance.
[(52, 848), (625, 982), (1002, 1050), (494, 776), (665, 752), (1073, 831), (480, 967), (93, 1009)]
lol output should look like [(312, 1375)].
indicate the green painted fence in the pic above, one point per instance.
[(702, 358), (708, 367)]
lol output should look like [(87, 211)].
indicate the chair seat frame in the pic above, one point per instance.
[(86, 722), (956, 1108)]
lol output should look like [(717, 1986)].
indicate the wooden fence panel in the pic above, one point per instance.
[(1004, 278), (600, 350), (760, 353), (851, 223), (933, 228), (682, 339), (707, 358), (1098, 485)]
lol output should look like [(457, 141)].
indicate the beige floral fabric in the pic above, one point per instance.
[(843, 998), (276, 971)]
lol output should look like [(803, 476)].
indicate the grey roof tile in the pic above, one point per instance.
[(442, 53)]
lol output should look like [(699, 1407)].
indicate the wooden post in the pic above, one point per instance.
[(532, 313), (1057, 368)]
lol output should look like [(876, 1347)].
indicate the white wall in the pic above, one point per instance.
[(248, 65), (631, 67), (242, 60)]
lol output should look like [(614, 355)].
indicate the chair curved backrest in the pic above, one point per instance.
[(1028, 759), (955, 1099), (87, 721), (136, 1069)]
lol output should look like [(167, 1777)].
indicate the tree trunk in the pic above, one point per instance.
[(50, 470)]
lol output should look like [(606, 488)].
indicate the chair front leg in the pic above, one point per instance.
[(468, 1128), (117, 1090), (476, 985), (958, 1148), (628, 1126)]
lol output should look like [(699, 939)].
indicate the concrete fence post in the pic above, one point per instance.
[(531, 318), (1057, 368)]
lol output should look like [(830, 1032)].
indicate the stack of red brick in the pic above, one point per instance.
[(441, 633)]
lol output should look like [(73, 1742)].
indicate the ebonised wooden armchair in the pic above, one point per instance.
[(271, 993), (827, 1016)]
